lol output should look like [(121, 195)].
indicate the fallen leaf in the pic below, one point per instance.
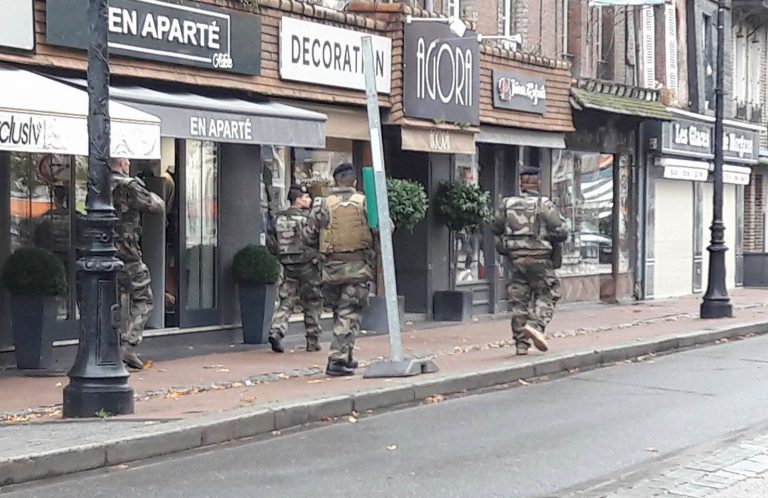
[(223, 370), (315, 381), (283, 376), (150, 422), (276, 433), (437, 398), (122, 466), (392, 447), (237, 384), (162, 370), (368, 411), (148, 364), (213, 367), (248, 383), (652, 450), (59, 384), (352, 420), (523, 382)]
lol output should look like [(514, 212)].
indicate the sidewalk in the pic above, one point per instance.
[(190, 402)]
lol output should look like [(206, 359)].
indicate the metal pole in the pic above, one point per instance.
[(98, 379), (382, 204), (716, 303), (396, 366)]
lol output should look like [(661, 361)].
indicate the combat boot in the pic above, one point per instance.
[(131, 359), (350, 363), (313, 345), (274, 341), (536, 337), (521, 349), (338, 368)]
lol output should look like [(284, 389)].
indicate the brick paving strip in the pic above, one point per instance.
[(194, 402)]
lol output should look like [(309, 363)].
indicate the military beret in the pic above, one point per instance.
[(529, 170), (297, 188), (342, 168)]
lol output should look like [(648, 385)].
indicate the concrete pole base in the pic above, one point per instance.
[(407, 367)]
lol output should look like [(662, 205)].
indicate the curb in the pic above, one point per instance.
[(211, 429)]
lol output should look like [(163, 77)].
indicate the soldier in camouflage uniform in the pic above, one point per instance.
[(301, 272), (131, 198), (526, 228), (338, 226)]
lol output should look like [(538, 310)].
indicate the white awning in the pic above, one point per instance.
[(38, 114)]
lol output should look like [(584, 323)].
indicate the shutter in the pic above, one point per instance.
[(649, 47), (670, 46)]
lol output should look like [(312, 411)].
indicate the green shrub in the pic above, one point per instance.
[(464, 207), (407, 203), (34, 272), (255, 265)]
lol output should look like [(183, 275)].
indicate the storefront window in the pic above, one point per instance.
[(582, 188), (201, 223), (469, 257), (316, 166), (47, 199)]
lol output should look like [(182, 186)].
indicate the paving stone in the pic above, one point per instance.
[(682, 475), (747, 468), (692, 490), (721, 479)]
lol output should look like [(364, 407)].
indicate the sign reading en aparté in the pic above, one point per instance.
[(184, 32), (441, 78), (327, 55)]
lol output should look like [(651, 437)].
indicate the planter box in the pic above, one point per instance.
[(257, 305), (452, 306), (33, 319), (375, 315)]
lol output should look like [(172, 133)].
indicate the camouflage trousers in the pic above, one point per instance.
[(300, 287), (533, 292), (136, 301), (348, 302)]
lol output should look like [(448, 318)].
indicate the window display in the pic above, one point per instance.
[(582, 188), (469, 257)]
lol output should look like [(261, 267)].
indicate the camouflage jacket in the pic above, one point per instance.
[(531, 234), (290, 247), (131, 198), (336, 271)]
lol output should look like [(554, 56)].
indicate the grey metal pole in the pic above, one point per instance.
[(716, 303), (396, 366), (382, 204), (98, 379)]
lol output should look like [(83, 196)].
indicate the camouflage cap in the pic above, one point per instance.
[(295, 191)]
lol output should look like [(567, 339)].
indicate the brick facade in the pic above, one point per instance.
[(754, 213)]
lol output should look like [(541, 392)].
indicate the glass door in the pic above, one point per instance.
[(199, 247)]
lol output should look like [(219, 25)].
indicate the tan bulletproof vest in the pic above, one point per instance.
[(347, 229)]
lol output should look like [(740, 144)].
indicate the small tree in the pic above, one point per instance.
[(464, 207), (32, 271), (255, 265), (407, 203)]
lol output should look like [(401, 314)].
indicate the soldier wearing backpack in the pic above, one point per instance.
[(301, 273), (529, 230), (338, 227)]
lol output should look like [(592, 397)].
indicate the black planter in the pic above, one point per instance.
[(375, 314), (452, 306), (33, 319), (257, 305)]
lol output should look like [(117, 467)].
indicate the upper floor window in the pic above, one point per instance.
[(453, 8), (670, 47), (708, 60), (508, 18), (648, 33)]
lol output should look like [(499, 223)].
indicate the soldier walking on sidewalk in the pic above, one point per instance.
[(131, 198), (301, 274), (529, 230), (338, 226)]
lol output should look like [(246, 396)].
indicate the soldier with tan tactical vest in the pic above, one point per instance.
[(301, 274), (338, 226), (529, 229)]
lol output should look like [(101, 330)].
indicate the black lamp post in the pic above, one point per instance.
[(98, 379), (716, 302)]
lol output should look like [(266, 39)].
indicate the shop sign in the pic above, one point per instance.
[(688, 136), (221, 129), (682, 173), (441, 77), (519, 92), (327, 55), (23, 132), (19, 34), (439, 140), (740, 145), (184, 32), (735, 178)]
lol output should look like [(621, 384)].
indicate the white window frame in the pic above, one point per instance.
[(453, 8), (565, 26), (648, 34), (507, 26), (670, 47)]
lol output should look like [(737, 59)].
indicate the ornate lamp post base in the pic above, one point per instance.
[(716, 308), (84, 398)]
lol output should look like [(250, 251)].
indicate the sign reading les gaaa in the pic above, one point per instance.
[(441, 77), (183, 32)]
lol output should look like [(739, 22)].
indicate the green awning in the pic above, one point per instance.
[(606, 102)]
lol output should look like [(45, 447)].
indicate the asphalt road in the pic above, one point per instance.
[(535, 440)]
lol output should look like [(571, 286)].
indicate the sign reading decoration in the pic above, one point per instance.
[(326, 55), (441, 78), (519, 92), (184, 32)]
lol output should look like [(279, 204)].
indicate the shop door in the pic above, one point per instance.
[(198, 248)]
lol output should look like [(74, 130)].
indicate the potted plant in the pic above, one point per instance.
[(256, 270), (407, 207), (465, 209), (34, 278)]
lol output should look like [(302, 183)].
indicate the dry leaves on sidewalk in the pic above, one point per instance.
[(437, 398), (392, 447)]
